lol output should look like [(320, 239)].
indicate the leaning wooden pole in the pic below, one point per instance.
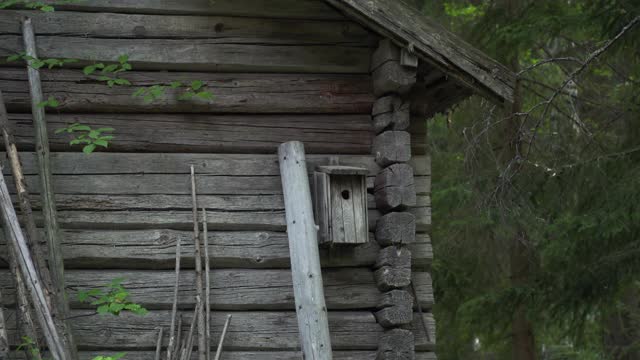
[(202, 343), (207, 282), (174, 334), (52, 230), (224, 334), (4, 338), (16, 241), (311, 310)]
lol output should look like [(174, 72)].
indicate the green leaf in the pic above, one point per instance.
[(89, 149), (115, 308), (83, 296), (175, 84), (37, 64), (123, 59), (102, 309), (47, 8), (88, 70), (101, 142), (186, 96), (53, 102), (126, 66), (205, 95), (110, 68), (15, 57), (196, 85), (138, 92), (120, 81), (99, 66), (93, 134), (60, 131), (79, 127)]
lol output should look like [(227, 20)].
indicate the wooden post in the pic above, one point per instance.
[(27, 268), (172, 348), (311, 310), (202, 343), (52, 230)]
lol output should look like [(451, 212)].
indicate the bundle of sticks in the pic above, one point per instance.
[(181, 347)]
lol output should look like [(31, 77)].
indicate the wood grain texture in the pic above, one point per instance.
[(188, 133), (251, 330), (406, 25), (254, 355), (303, 9), (205, 164), (224, 29), (155, 249), (234, 93), (231, 289), (202, 54)]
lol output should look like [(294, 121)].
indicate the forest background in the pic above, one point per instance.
[(537, 208)]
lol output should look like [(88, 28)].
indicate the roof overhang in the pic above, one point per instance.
[(438, 47)]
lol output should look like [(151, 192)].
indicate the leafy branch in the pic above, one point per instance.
[(108, 73), (39, 63), (113, 299), (84, 134)]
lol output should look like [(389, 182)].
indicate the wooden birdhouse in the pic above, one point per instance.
[(341, 205)]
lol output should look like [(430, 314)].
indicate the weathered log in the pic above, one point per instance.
[(397, 344), (203, 55), (156, 249), (394, 188), (389, 278), (207, 28), (59, 306), (391, 147), (389, 75), (391, 113), (233, 289), (300, 9), (209, 133), (397, 257), (205, 164), (234, 93), (258, 355), (251, 331), (308, 291), (395, 309), (396, 228)]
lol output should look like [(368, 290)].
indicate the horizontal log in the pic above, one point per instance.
[(303, 9), (231, 289), (204, 164), (220, 55), (249, 331), (324, 134), (155, 249), (225, 29), (234, 93), (248, 355)]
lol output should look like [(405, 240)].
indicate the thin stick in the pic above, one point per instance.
[(188, 348), (224, 333), (207, 294), (32, 235), (159, 344), (17, 242), (24, 318), (202, 354), (52, 230), (4, 339), (176, 352), (172, 349)]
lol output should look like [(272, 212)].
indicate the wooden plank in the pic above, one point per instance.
[(407, 26), (220, 55), (345, 134), (300, 9), (222, 29), (255, 355), (206, 164), (231, 289), (251, 330), (155, 249), (234, 93)]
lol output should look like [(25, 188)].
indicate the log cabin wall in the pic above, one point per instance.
[(280, 70)]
